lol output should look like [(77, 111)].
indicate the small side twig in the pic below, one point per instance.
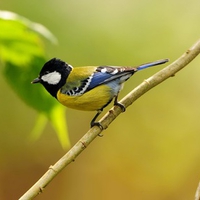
[(148, 84), (197, 195)]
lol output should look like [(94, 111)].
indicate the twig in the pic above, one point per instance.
[(197, 195), (70, 156)]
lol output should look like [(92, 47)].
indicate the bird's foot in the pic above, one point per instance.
[(121, 106), (96, 124)]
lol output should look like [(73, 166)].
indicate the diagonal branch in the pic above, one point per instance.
[(148, 84), (197, 195)]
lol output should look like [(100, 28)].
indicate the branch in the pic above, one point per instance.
[(197, 195), (148, 84)]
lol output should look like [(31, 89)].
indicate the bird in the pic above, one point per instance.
[(87, 88)]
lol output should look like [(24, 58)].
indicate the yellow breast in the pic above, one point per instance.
[(92, 100)]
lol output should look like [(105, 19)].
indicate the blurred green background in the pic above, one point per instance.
[(150, 152)]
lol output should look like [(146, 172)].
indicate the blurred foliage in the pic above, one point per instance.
[(22, 54)]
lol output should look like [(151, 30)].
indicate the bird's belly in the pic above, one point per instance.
[(92, 100)]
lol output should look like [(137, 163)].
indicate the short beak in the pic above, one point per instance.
[(37, 80)]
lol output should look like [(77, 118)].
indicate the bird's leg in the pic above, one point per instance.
[(116, 103), (93, 123)]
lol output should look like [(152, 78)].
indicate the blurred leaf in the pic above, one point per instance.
[(57, 119), (39, 126), (22, 54), (59, 123)]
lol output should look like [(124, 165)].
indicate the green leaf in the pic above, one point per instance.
[(22, 54), (59, 123)]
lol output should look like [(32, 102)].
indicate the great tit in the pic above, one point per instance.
[(89, 88)]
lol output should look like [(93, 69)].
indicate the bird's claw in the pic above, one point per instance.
[(97, 124), (121, 106)]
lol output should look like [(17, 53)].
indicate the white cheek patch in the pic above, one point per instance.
[(52, 78)]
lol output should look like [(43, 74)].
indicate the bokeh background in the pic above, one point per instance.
[(150, 152)]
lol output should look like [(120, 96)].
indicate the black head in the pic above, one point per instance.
[(53, 75)]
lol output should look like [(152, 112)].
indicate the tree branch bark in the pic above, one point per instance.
[(145, 86)]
